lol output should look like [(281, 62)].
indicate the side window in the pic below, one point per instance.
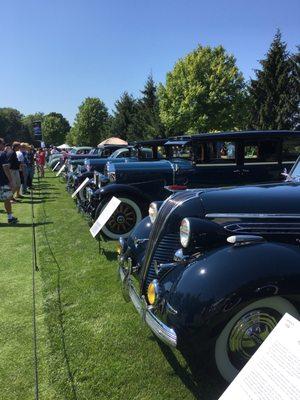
[(261, 151), (220, 152), (290, 149), (179, 151), (122, 154), (147, 152), (161, 152), (105, 153)]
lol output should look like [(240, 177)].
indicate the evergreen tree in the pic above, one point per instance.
[(295, 60), (126, 121), (149, 111), (272, 94)]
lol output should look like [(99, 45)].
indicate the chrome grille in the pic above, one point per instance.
[(265, 228), (163, 254), (166, 245)]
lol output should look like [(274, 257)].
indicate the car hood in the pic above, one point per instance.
[(281, 198)]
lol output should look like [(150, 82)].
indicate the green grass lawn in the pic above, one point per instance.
[(91, 344)]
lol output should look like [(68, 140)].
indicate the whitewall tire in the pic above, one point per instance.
[(124, 219), (249, 327)]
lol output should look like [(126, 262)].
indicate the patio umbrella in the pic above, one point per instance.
[(112, 140)]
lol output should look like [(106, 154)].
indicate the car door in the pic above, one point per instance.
[(261, 161), (216, 163)]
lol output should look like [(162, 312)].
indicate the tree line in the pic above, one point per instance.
[(205, 92)]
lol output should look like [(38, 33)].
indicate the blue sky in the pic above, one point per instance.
[(54, 53)]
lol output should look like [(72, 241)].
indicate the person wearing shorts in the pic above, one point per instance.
[(15, 169), (6, 184)]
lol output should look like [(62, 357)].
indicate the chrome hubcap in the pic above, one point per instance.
[(248, 334)]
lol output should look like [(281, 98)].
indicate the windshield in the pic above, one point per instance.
[(295, 175), (183, 152)]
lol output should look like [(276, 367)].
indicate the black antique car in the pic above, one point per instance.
[(204, 160), (212, 271)]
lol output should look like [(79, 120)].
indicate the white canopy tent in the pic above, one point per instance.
[(63, 146)]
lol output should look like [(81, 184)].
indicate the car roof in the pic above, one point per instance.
[(237, 135)]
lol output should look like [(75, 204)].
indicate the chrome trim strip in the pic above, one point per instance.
[(250, 215), (162, 331)]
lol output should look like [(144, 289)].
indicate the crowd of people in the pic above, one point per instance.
[(18, 162)]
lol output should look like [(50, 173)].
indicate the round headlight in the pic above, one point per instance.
[(185, 232), (153, 212), (152, 292)]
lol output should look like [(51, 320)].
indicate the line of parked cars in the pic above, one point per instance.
[(209, 233)]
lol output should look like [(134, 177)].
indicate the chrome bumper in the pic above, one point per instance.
[(162, 331)]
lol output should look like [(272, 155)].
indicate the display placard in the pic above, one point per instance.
[(273, 372), (108, 211), (82, 186), (61, 170), (56, 165)]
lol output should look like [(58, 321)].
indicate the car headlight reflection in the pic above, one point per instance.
[(153, 210), (185, 232)]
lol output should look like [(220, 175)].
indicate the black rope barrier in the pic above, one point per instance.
[(34, 326)]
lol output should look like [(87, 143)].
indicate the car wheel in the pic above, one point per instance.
[(246, 331), (125, 218)]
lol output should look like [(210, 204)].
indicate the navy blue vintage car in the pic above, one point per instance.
[(204, 160), (212, 271)]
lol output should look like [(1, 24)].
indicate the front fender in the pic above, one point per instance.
[(115, 189), (220, 283)]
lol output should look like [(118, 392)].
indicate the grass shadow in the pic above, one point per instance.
[(201, 385), (24, 225)]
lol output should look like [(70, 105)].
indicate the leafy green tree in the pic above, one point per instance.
[(28, 122), (91, 123), (10, 124), (274, 94), (204, 92), (54, 128)]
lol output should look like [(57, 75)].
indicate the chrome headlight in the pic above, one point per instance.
[(185, 232), (153, 210)]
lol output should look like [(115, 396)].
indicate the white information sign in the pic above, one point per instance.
[(56, 165), (108, 211), (82, 186), (273, 373), (61, 170)]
